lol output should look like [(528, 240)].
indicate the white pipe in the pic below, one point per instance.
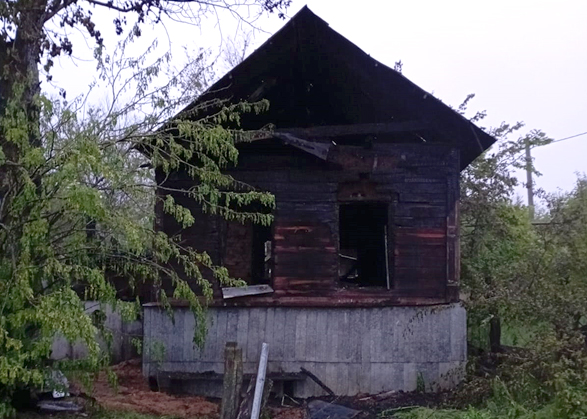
[(256, 410)]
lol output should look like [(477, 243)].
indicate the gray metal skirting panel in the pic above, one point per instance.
[(362, 350)]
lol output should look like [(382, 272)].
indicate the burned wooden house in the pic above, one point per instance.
[(360, 268)]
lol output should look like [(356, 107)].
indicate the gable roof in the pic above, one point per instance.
[(313, 76)]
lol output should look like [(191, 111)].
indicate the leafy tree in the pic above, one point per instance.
[(525, 272), (496, 234), (77, 192), (538, 281), (530, 274)]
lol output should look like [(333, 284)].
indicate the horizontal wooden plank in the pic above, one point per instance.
[(292, 209), (332, 175), (306, 270), (419, 210), (315, 258), (312, 288), (307, 284), (417, 261), (403, 177), (304, 249), (281, 280), (421, 273), (420, 250), (359, 160), (426, 171), (317, 283), (248, 161), (315, 188), (438, 187), (330, 131), (420, 278), (234, 292), (313, 266), (415, 149), (304, 240), (253, 176), (423, 290), (420, 222), (350, 297), (424, 197), (418, 236), (306, 198), (305, 235)]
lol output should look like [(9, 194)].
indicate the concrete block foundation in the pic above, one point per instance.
[(352, 350)]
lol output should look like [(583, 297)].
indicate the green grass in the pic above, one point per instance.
[(502, 412), (511, 334)]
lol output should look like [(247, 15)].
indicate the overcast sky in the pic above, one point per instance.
[(526, 60)]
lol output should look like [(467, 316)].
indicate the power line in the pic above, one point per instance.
[(568, 138), (529, 183)]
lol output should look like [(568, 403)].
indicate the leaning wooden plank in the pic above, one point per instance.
[(234, 292), (317, 381), (319, 150)]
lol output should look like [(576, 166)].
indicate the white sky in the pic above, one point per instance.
[(526, 60)]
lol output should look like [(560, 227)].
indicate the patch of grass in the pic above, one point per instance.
[(512, 334), (426, 413), (511, 412)]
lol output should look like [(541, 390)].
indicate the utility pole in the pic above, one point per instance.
[(529, 184)]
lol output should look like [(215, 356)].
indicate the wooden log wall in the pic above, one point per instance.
[(305, 230), (420, 183)]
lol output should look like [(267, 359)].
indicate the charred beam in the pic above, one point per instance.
[(319, 150), (332, 131)]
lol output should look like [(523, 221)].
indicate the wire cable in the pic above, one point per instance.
[(568, 138)]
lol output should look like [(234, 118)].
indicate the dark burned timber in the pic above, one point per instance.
[(360, 268)]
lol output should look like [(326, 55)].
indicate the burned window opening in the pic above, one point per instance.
[(261, 257), (364, 244)]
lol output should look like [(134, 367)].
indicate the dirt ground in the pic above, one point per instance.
[(133, 394)]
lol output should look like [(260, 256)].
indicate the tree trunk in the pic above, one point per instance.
[(19, 107), (495, 334)]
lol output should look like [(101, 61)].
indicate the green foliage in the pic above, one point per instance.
[(420, 383), (77, 209), (567, 404), (530, 276), (498, 241), (426, 413)]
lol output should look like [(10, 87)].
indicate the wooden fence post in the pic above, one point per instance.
[(233, 380)]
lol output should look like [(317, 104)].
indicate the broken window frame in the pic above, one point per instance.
[(387, 241), (262, 237)]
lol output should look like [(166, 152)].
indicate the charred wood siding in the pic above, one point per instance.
[(305, 247), (420, 184), (237, 255)]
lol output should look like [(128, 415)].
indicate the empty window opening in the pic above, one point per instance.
[(261, 257), (363, 244)]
